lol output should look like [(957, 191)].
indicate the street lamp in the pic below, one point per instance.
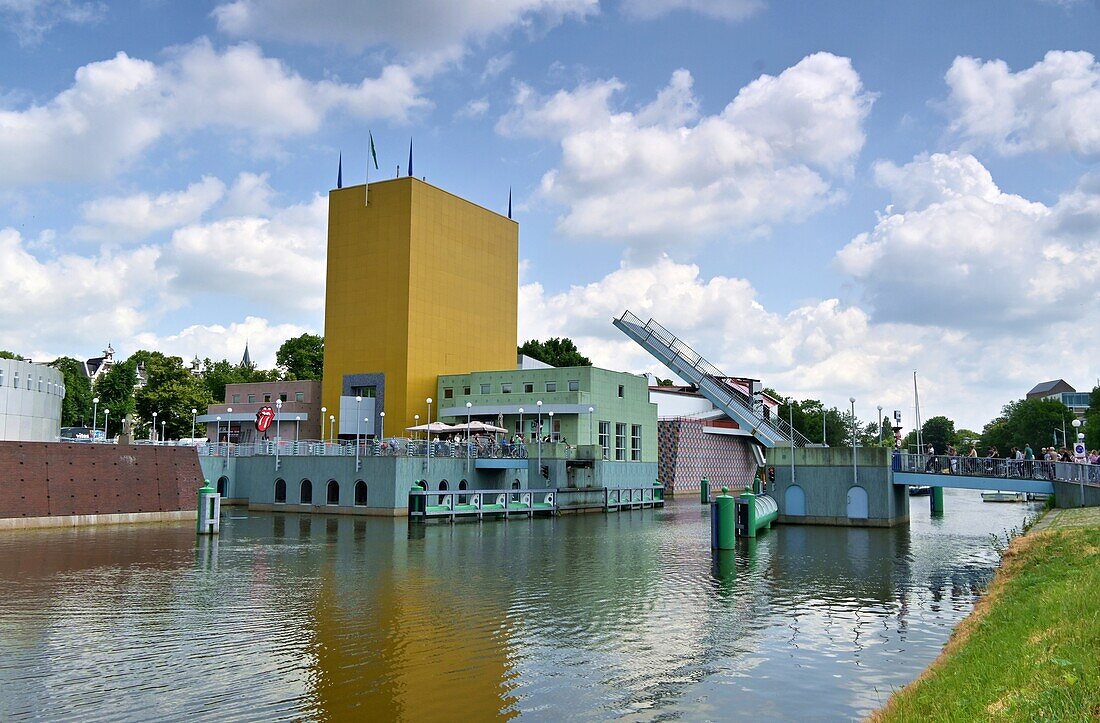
[(297, 421), (538, 432), (429, 400), (416, 423), (382, 426), (591, 431), (331, 428), (855, 471), (468, 406), (358, 401), (521, 434), (106, 413), (228, 425), (880, 425), (153, 429), (790, 421), (194, 414), (218, 431), (163, 433), (552, 427), (95, 415), (324, 411)]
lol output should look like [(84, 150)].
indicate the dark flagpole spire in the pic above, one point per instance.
[(509, 201), (340, 172), (410, 157)]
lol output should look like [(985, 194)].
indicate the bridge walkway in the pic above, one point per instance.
[(989, 473)]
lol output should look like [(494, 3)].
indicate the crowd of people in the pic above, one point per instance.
[(1015, 462)]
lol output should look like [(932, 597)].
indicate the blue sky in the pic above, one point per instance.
[(824, 195)]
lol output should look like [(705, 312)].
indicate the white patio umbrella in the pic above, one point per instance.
[(434, 427), (476, 427)]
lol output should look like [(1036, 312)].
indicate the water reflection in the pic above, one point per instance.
[(593, 616)]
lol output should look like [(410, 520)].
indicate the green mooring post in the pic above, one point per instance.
[(936, 499), (724, 525), (207, 521), (748, 499), (704, 491)]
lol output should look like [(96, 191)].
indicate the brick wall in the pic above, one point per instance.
[(49, 479)]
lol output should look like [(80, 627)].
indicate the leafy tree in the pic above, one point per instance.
[(4, 354), (961, 435), (939, 432), (302, 357), (1092, 421), (218, 374), (1026, 421), (170, 390), (115, 389), (77, 404), (557, 352), (664, 382), (808, 417)]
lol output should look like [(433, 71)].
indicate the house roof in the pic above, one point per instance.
[(1051, 387)]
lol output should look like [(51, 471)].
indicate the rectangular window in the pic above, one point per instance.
[(605, 438), (551, 386), (267, 398), (237, 399), (364, 392), (574, 385), (251, 398), (528, 387), (466, 391), (620, 442), (299, 396), (16, 384), (448, 393), (39, 383), (1, 377), (484, 388), (555, 432), (620, 391), (635, 443), (506, 388), (282, 397)]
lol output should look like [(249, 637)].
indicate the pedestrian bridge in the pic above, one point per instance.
[(989, 473)]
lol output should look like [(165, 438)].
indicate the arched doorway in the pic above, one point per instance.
[(360, 494), (794, 501), (305, 495), (857, 503), (223, 485), (332, 496), (280, 492)]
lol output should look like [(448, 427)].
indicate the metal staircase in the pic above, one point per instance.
[(686, 363)]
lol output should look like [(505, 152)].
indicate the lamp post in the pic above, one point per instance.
[(790, 421), (468, 406), (331, 428), (538, 432), (855, 470), (324, 411), (194, 416), (297, 427), (552, 427), (358, 401), (591, 431), (429, 400), (1080, 438), (163, 433), (153, 429), (106, 413), (521, 435), (218, 430), (95, 415), (416, 423), (228, 426), (382, 426), (880, 425)]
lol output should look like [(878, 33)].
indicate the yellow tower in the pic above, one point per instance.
[(420, 283)]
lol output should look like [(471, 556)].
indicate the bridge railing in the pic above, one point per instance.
[(390, 447), (1038, 469)]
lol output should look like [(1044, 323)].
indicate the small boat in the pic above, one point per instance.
[(999, 496), (919, 491), (1038, 496)]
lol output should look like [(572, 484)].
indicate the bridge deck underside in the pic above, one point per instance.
[(1004, 484)]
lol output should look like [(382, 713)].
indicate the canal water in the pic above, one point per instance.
[(584, 617)]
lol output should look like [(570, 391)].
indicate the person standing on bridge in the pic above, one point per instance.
[(1029, 460)]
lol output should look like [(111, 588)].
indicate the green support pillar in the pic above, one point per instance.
[(704, 491), (725, 522), (936, 499)]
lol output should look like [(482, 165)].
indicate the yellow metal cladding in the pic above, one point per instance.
[(420, 283)]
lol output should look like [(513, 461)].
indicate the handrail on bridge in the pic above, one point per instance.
[(390, 447), (997, 467)]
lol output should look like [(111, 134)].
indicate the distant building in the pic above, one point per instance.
[(1060, 389), (30, 401), (97, 366), (299, 417)]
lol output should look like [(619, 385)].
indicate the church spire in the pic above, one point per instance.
[(246, 360)]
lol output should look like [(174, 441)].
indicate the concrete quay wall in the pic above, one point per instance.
[(80, 482)]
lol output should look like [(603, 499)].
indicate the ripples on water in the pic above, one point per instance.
[(580, 617)]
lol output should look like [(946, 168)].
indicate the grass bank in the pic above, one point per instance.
[(1030, 650)]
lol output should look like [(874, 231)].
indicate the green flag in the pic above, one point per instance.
[(373, 155)]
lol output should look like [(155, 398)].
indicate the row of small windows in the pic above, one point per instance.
[(620, 441), (298, 397), (44, 385), (574, 385), (332, 492)]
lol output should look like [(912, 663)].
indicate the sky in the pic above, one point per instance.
[(824, 196)]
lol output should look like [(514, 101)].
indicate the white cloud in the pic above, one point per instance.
[(31, 19), (474, 109), (224, 341), (118, 108), (496, 65), (126, 218), (957, 252), (1051, 106), (663, 172), (416, 26), (729, 10)]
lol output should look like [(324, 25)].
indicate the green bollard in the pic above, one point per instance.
[(704, 491), (748, 499), (725, 523), (936, 499)]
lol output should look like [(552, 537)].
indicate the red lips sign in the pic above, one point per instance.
[(264, 418)]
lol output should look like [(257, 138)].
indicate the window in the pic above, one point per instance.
[(39, 383), (551, 386), (282, 397), (574, 385), (605, 438), (368, 392), (528, 388), (16, 383), (635, 443), (620, 442), (1, 377), (251, 398), (466, 391), (299, 396), (360, 494), (237, 398), (506, 388), (620, 391), (332, 496), (305, 494), (280, 492), (555, 430), (484, 388), (448, 393), (267, 398), (223, 484)]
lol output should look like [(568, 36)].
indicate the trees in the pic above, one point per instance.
[(1026, 421), (808, 416), (115, 390), (939, 432), (170, 390), (1092, 421), (77, 404), (218, 374), (4, 354), (301, 357), (557, 352)]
